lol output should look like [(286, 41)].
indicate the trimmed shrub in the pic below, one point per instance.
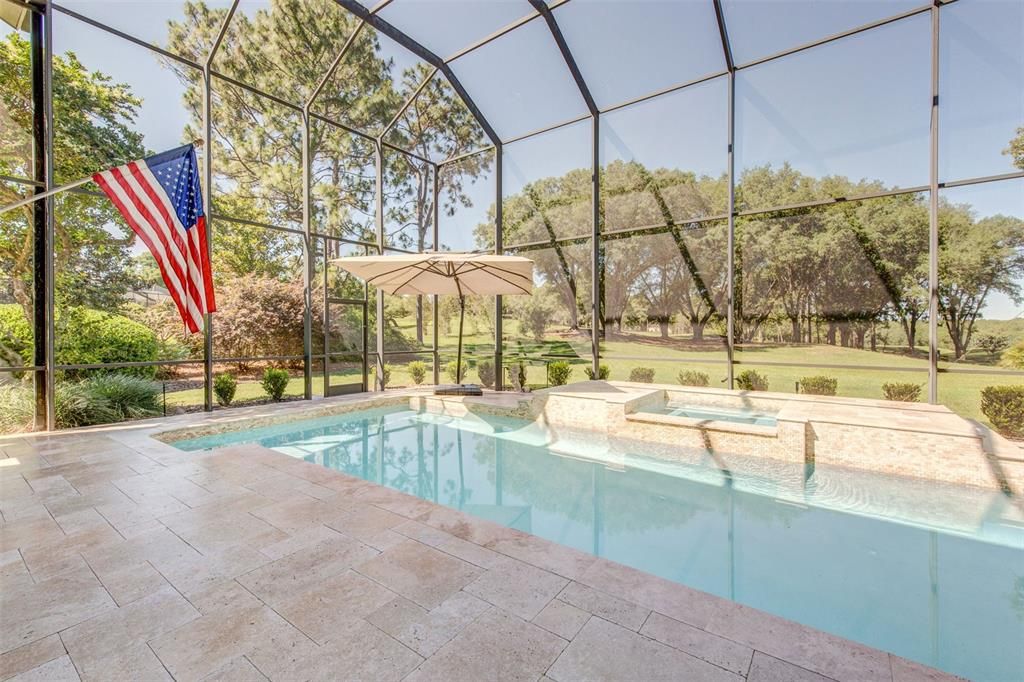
[(517, 376), (85, 337), (559, 373), (451, 368), (1004, 407), (689, 377), (603, 372), (902, 391), (224, 387), (751, 380), (127, 397), (485, 370), (418, 371), (386, 376), (642, 375), (274, 382), (819, 385)]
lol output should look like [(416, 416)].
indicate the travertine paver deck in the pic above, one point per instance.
[(122, 558)]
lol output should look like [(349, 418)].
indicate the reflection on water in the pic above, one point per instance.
[(933, 573)]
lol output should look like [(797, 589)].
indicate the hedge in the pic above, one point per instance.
[(85, 337)]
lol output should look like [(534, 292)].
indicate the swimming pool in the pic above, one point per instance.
[(931, 572), (737, 416)]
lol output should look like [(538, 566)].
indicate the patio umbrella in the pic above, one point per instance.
[(15, 16), (444, 273)]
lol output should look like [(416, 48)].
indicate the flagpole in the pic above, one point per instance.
[(63, 188)]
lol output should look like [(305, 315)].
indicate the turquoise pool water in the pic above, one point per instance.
[(931, 572), (737, 416)]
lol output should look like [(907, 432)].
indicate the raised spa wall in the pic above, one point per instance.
[(907, 439)]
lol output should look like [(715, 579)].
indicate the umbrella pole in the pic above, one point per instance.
[(458, 361)]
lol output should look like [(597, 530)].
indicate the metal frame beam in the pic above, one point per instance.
[(730, 65), (208, 351), (933, 218), (42, 219), (426, 55)]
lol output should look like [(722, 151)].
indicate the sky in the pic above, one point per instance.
[(858, 107)]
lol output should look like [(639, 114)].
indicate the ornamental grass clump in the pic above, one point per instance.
[(603, 372)]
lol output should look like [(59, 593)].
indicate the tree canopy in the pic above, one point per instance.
[(830, 273)]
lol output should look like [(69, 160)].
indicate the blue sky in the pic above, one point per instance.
[(857, 107)]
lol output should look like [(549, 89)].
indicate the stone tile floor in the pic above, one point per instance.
[(122, 558)]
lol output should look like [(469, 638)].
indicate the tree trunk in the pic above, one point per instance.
[(419, 320), (797, 329), (910, 331), (663, 327), (698, 329)]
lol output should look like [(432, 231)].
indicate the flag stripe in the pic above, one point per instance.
[(181, 237), (161, 199), (144, 180), (165, 233), (106, 183), (211, 303)]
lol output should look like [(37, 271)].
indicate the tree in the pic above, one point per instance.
[(535, 314), (93, 119), (1014, 356), (1016, 149), (437, 125), (285, 50), (992, 343), (976, 259)]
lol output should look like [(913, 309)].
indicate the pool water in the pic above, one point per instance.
[(737, 416), (931, 572)]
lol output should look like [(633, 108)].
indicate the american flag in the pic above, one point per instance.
[(162, 201)]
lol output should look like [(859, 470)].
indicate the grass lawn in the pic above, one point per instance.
[(862, 377)]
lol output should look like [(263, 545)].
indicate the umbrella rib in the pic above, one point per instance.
[(454, 270), (508, 281), (374, 278), (406, 282)]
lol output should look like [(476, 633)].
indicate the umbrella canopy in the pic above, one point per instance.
[(15, 16), (460, 274)]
